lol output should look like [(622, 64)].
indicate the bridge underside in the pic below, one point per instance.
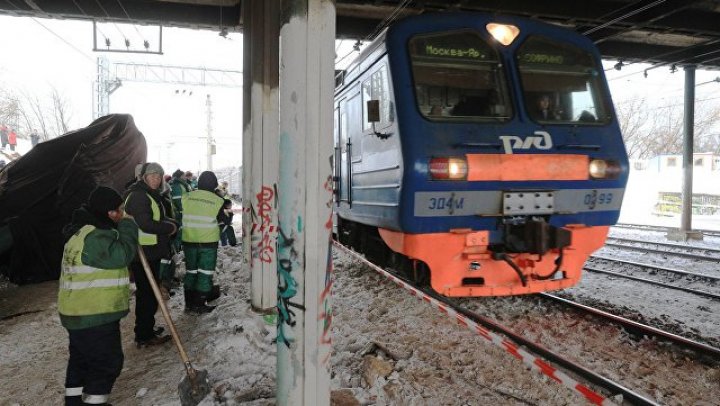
[(678, 32)]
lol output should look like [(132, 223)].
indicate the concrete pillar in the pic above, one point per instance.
[(261, 22), (307, 36), (685, 232)]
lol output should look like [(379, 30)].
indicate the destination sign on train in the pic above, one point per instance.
[(464, 46), (465, 53)]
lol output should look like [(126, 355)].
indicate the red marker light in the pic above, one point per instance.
[(448, 169)]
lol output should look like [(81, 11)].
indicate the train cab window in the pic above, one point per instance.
[(377, 87), (458, 77), (561, 83)]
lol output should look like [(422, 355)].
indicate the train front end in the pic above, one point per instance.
[(514, 165)]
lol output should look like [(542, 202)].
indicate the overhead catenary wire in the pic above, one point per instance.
[(63, 40), (132, 21), (378, 29), (66, 42), (389, 19), (676, 62), (624, 16), (629, 14), (122, 34), (85, 14)]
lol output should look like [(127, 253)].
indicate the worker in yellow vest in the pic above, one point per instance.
[(145, 204), (200, 236), (94, 294)]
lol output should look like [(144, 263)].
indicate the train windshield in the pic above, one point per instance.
[(561, 83), (458, 77)]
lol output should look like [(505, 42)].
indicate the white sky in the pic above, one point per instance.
[(32, 58), (173, 124)]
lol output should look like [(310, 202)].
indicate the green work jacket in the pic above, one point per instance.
[(94, 283)]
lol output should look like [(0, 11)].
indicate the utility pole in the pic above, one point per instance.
[(210, 143)]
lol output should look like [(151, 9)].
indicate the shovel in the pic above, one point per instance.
[(194, 386)]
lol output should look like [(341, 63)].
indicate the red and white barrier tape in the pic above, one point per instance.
[(535, 363)]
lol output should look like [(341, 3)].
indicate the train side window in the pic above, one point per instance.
[(458, 76), (377, 87), (561, 83)]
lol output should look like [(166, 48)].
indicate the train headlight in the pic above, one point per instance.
[(448, 169), (602, 169), (503, 33)]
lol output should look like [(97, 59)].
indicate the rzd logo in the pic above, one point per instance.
[(541, 140)]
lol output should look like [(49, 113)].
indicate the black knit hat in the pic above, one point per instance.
[(104, 199), (207, 181)]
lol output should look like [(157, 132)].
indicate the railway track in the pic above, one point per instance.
[(453, 309), (511, 342), (650, 268), (711, 233), (645, 246)]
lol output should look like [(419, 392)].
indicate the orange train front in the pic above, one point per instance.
[(477, 153)]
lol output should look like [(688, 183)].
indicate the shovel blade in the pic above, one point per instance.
[(193, 391)]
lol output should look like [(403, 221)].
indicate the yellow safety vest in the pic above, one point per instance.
[(200, 210), (143, 237), (86, 290)]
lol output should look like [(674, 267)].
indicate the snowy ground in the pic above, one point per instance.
[(389, 348), (412, 355)]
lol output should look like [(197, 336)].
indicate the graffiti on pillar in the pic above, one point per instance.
[(325, 309), (263, 230), (287, 287)]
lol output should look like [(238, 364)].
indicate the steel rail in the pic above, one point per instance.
[(658, 267), (652, 282), (659, 251), (713, 233), (597, 379), (591, 376), (628, 324), (666, 244)]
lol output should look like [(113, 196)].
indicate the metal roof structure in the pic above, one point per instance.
[(680, 32)]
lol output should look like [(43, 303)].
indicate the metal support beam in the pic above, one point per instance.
[(111, 75), (307, 36), (685, 231), (261, 148)]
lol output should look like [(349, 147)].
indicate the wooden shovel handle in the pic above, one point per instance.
[(166, 313)]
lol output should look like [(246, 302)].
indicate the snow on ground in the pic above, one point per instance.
[(232, 343), (429, 360), (389, 348), (688, 314)]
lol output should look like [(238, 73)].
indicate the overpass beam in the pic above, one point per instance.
[(307, 37)]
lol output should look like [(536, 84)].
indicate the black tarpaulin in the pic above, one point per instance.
[(39, 191)]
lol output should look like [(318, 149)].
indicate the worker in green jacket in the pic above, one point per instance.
[(94, 294), (200, 236), (156, 230), (179, 187)]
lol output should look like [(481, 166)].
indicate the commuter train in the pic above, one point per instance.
[(478, 154)]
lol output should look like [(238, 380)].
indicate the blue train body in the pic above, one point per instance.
[(448, 93)]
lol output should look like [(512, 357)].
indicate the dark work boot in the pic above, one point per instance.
[(199, 304), (155, 340), (214, 293), (189, 299)]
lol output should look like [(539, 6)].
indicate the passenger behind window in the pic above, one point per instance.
[(586, 116), (436, 111), (544, 110)]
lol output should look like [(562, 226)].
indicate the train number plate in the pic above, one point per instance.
[(538, 202)]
